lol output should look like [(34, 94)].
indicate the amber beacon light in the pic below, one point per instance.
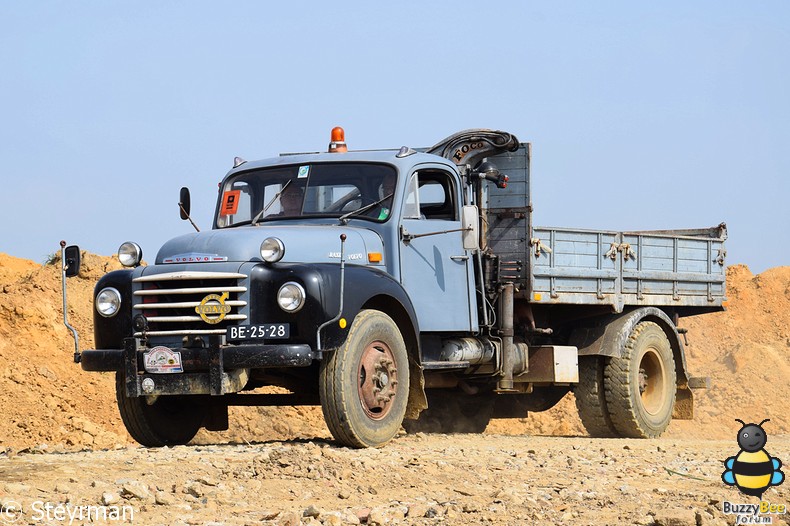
[(338, 140)]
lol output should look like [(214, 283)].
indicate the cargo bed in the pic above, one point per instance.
[(683, 268), (558, 265)]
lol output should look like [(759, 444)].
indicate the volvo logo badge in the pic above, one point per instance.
[(213, 309)]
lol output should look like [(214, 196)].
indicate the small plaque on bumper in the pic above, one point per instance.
[(162, 360)]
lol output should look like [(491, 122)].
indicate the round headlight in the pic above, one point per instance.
[(291, 297), (272, 250), (108, 302), (130, 254)]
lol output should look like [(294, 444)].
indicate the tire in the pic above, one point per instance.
[(364, 385), (169, 421), (591, 398), (641, 384), (453, 412)]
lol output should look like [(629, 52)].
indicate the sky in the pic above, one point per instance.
[(641, 115)]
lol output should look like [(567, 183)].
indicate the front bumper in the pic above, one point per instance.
[(216, 370)]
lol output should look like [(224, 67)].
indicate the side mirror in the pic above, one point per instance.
[(71, 257), (184, 203), (470, 220)]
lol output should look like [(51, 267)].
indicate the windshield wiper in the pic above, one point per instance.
[(345, 217), (265, 208)]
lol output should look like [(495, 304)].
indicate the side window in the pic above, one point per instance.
[(432, 194), (437, 195), (411, 205)]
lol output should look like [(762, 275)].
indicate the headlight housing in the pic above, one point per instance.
[(272, 250), (108, 302), (291, 297), (130, 254)]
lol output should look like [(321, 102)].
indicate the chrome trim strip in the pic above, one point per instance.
[(167, 276), (155, 292), (186, 304), (180, 333), (187, 319)]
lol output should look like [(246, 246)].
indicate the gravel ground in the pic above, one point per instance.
[(416, 479)]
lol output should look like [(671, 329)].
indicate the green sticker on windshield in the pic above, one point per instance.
[(303, 172)]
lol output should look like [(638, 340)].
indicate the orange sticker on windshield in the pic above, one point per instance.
[(230, 203)]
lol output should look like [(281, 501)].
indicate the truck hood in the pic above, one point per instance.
[(303, 244)]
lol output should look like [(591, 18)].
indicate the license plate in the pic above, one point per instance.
[(264, 331)]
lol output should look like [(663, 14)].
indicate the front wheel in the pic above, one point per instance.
[(164, 421), (640, 384), (364, 385)]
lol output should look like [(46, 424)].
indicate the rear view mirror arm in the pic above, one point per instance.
[(69, 266), (406, 236)]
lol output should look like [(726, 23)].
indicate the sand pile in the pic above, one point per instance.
[(47, 399)]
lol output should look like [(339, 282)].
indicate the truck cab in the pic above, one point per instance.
[(377, 199)]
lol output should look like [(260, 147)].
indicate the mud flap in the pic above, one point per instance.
[(684, 404), (417, 399), (684, 399)]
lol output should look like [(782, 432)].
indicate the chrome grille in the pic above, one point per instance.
[(168, 301)]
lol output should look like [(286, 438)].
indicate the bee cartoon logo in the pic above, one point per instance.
[(752, 470)]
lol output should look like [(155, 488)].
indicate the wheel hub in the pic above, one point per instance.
[(378, 380), (382, 380), (642, 381), (651, 381)]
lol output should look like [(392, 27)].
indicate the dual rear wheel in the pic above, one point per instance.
[(631, 395)]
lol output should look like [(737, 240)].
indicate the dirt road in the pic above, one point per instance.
[(416, 479)]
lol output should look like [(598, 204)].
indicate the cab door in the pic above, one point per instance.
[(436, 271)]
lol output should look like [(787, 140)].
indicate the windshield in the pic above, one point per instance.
[(307, 190)]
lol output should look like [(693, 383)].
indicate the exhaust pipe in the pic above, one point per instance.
[(505, 384)]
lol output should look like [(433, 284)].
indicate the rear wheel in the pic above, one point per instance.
[(591, 397), (364, 385), (641, 384), (163, 421)]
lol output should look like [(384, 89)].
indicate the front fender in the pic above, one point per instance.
[(363, 288), (366, 288), (109, 333)]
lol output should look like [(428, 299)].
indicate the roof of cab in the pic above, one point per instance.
[(375, 156)]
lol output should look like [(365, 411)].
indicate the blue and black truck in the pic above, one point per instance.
[(400, 288)]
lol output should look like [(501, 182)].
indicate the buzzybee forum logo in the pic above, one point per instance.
[(752, 470)]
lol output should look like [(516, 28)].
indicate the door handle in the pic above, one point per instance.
[(459, 258)]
